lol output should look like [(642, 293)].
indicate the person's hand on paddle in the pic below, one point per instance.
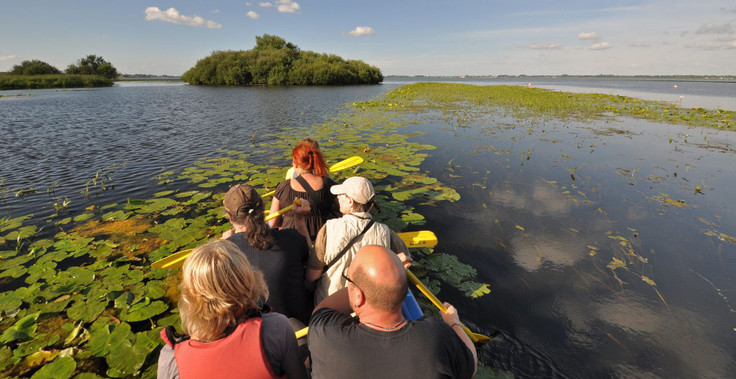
[(301, 208), (450, 315), (405, 260)]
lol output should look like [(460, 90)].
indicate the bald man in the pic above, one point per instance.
[(380, 342)]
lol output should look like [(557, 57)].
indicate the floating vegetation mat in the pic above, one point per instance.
[(79, 297)]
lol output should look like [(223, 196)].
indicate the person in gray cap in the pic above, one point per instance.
[(339, 239)]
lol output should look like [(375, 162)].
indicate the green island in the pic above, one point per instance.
[(89, 71), (273, 61), (85, 301)]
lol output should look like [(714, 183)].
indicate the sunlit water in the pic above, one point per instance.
[(545, 209)]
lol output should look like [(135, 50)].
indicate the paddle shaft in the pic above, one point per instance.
[(437, 303), (422, 238)]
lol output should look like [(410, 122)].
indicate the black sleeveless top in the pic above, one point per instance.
[(283, 270), (320, 213)]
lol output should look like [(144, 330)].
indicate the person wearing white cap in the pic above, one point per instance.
[(339, 239)]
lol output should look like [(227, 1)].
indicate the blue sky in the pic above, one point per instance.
[(471, 37)]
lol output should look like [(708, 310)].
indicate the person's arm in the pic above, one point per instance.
[(279, 343), (227, 234), (275, 207), (167, 367), (301, 211), (399, 247), (316, 263), (338, 301), (451, 318)]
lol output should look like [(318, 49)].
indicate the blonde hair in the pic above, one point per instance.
[(219, 286)]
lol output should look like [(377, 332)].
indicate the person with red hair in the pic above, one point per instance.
[(310, 181)]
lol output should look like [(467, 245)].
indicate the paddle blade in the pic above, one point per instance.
[(173, 261), (347, 163), (302, 332), (421, 238)]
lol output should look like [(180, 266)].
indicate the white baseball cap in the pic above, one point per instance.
[(357, 188)]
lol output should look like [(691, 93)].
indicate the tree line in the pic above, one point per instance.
[(89, 65), (273, 61), (89, 71)]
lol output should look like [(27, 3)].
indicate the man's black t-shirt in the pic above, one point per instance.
[(341, 347), (283, 269)]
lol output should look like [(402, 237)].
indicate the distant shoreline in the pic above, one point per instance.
[(726, 78)]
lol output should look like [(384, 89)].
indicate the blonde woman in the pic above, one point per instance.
[(230, 335)]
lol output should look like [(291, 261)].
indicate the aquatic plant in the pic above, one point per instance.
[(538, 103)]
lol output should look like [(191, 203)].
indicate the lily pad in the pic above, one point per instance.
[(127, 359), (14, 272), (22, 233), (84, 217), (23, 330), (9, 301), (87, 310), (30, 347), (40, 357), (41, 270), (116, 216), (7, 358), (143, 312), (13, 223), (60, 368), (163, 193), (106, 337)]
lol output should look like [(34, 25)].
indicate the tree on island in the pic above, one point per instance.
[(34, 67), (93, 65), (273, 61)]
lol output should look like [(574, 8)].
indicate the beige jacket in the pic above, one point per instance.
[(338, 233)]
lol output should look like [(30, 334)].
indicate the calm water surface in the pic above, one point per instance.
[(546, 208)]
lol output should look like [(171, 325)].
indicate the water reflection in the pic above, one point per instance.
[(593, 236)]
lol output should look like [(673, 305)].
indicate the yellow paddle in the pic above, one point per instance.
[(339, 166), (422, 238), (475, 337), (302, 332)]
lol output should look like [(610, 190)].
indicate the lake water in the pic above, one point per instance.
[(545, 208)]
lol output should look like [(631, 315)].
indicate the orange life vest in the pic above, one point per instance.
[(239, 355)]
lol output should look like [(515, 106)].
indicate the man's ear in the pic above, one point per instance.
[(358, 298)]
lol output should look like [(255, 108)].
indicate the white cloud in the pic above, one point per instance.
[(248, 3), (600, 46), (545, 46), (253, 15), (591, 35), (172, 15), (7, 57), (362, 31), (724, 28), (288, 6), (715, 45), (265, 4)]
